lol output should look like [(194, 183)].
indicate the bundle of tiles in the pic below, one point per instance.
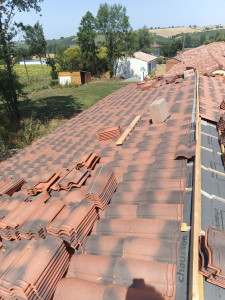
[(222, 137), (109, 133), (72, 178), (8, 204), (221, 123), (29, 219), (35, 226), (11, 185), (31, 270), (44, 184), (222, 104), (212, 256), (102, 187), (74, 222), (89, 161)]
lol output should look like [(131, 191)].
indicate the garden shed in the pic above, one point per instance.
[(76, 77)]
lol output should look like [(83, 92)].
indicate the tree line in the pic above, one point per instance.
[(102, 39)]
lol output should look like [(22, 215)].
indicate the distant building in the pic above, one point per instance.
[(157, 49), (139, 65), (32, 62)]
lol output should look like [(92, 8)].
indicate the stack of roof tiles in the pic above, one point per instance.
[(212, 256), (11, 185), (102, 187), (74, 222), (73, 178), (89, 161), (28, 219), (109, 133), (221, 123), (31, 270), (211, 93)]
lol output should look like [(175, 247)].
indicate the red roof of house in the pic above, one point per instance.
[(155, 46), (206, 58), (144, 56)]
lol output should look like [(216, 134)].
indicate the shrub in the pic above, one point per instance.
[(160, 60), (152, 73), (54, 83)]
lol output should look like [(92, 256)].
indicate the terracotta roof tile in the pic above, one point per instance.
[(212, 258), (206, 58)]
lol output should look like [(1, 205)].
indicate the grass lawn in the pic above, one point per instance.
[(64, 103), (45, 109)]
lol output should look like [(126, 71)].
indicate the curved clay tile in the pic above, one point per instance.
[(185, 150)]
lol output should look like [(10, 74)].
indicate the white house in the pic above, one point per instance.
[(139, 65)]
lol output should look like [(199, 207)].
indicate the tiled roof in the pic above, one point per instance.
[(133, 249), (135, 242), (206, 58), (144, 56)]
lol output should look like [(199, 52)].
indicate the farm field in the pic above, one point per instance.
[(34, 71), (168, 32)]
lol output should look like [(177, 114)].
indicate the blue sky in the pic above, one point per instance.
[(62, 18)]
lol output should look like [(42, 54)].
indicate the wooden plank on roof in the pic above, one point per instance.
[(128, 130), (195, 279)]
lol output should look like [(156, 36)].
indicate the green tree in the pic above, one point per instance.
[(86, 40), (188, 41), (52, 63), (51, 48), (23, 53), (145, 40), (73, 58), (101, 60), (202, 38), (220, 38), (34, 37), (169, 48), (206, 42), (60, 49), (10, 89), (113, 23)]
